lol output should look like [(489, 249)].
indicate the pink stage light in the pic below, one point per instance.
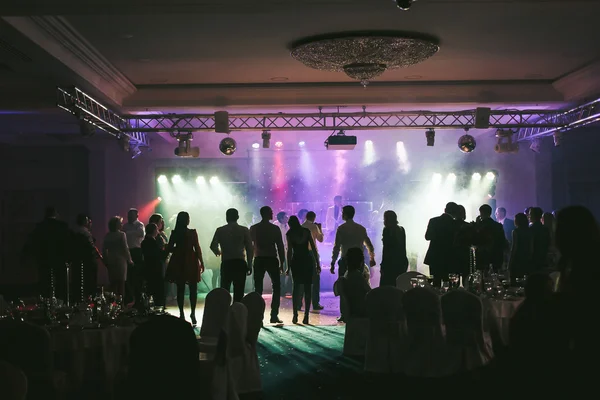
[(279, 144)]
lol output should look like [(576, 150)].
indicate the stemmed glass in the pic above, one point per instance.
[(413, 282)]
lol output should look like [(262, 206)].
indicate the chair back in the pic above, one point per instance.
[(236, 329), (426, 355), (216, 305), (256, 312), (403, 281), (385, 338), (13, 382), (27, 347), (468, 346)]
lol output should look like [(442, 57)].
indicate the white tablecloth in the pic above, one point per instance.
[(91, 354), (497, 315)]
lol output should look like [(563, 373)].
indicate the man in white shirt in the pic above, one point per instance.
[(349, 235), (317, 234), (233, 243), (134, 230)]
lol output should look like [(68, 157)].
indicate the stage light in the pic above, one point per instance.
[(200, 180), (430, 136), (159, 198), (404, 5), (369, 143), (214, 180), (476, 176), (266, 138), (162, 179), (176, 179), (452, 177), (302, 144), (255, 145), (279, 144), (490, 176), (557, 138)]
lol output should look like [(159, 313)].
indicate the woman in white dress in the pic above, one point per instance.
[(116, 255)]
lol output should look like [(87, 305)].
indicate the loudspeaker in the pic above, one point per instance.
[(482, 117), (222, 122)]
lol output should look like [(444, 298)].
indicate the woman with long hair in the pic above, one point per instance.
[(301, 258), (186, 264), (393, 261)]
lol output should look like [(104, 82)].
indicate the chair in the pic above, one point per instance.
[(426, 348), (387, 330), (13, 382), (355, 337), (232, 346), (251, 381), (216, 304), (468, 346), (403, 281)]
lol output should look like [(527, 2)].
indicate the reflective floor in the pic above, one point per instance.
[(327, 316)]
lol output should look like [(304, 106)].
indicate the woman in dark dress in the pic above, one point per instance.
[(186, 264), (519, 263), (301, 256), (393, 261)]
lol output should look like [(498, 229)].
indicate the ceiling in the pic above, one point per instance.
[(203, 55)]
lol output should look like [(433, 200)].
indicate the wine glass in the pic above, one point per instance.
[(414, 282)]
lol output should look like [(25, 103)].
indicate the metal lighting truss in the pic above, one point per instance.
[(563, 121), (84, 107), (529, 124), (505, 119)]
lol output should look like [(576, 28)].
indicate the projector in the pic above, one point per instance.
[(340, 142)]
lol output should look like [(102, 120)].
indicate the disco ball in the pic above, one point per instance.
[(227, 146), (467, 143)]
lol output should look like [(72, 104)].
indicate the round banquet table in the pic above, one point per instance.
[(91, 356), (497, 315)]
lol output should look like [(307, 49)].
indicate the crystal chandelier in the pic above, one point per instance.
[(364, 56)]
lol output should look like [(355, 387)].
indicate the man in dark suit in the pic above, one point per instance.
[(441, 232), (48, 245), (490, 240), (540, 237), (507, 223)]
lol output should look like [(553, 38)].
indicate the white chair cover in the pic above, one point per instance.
[(468, 346), (555, 276), (232, 345), (426, 347), (387, 331), (355, 337), (13, 382), (403, 280), (216, 305), (251, 381)]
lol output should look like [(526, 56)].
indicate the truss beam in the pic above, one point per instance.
[(503, 119), (577, 117), (86, 108)]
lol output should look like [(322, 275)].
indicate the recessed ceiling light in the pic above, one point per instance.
[(280, 79), (413, 77)]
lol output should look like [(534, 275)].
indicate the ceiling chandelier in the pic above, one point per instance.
[(364, 55)]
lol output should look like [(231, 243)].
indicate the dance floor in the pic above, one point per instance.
[(326, 317)]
